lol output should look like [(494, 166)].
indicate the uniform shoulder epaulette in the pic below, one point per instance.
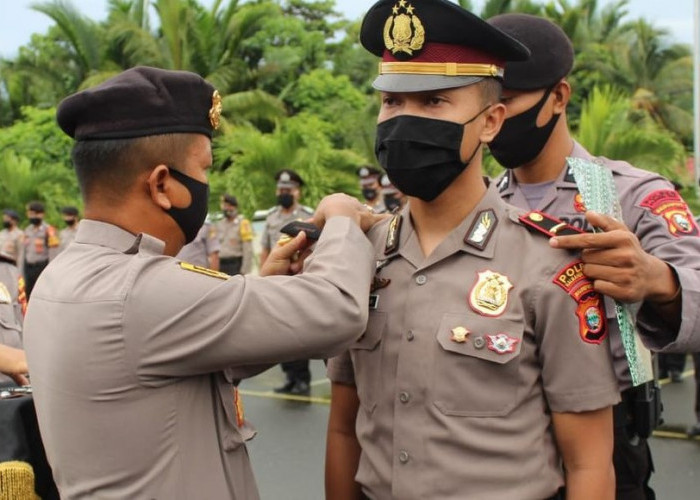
[(546, 224), (307, 209)]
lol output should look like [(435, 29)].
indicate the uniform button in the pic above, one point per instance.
[(479, 342), (410, 336), (421, 279), (404, 397), (403, 457)]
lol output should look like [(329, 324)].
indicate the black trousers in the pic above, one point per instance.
[(297, 371), (31, 274), (231, 265), (671, 361), (631, 457)]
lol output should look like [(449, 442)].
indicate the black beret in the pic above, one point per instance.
[(551, 51), (36, 206), (434, 44), (288, 178), (69, 210), (139, 102), (11, 214), (230, 199), (368, 171)]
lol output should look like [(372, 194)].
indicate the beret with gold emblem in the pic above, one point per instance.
[(434, 44), (552, 54), (139, 102)]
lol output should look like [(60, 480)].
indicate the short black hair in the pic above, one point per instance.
[(491, 89), (112, 165), (69, 210), (36, 206)]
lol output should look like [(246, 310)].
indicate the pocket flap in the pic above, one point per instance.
[(496, 340), (373, 334)]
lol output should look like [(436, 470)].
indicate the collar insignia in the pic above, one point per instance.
[(403, 30), (215, 111), (392, 237), (482, 228)]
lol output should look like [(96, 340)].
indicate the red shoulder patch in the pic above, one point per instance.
[(668, 204), (592, 321)]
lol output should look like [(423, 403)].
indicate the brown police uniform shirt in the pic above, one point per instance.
[(236, 239), (10, 309), (276, 221), (197, 252), (466, 353), (659, 217), (41, 244), (133, 356), (12, 243), (67, 235)]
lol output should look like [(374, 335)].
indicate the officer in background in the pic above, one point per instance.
[(41, 244), (288, 192), (203, 251), (393, 198), (371, 188), (71, 218), (134, 355), (656, 261), (12, 306), (12, 237), (236, 238), (485, 363)]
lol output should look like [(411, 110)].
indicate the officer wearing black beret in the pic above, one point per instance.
[(135, 385), (466, 383), (659, 237)]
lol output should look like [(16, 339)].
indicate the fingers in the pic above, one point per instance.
[(287, 250), (20, 380), (604, 222), (615, 235)]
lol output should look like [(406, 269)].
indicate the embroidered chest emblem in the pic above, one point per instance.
[(501, 343), (489, 297), (669, 205)]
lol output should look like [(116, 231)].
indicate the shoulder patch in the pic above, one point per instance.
[(546, 224), (246, 230), (668, 204), (203, 270), (592, 321)]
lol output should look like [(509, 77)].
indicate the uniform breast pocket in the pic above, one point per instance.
[(366, 360), (475, 372)]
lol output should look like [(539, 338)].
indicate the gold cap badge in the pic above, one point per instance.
[(403, 30), (215, 111)]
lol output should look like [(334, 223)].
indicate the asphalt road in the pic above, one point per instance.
[(288, 452)]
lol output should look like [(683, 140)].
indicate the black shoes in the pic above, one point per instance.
[(694, 430), (295, 388), (676, 376)]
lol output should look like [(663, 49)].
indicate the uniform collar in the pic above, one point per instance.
[(93, 232), (476, 234)]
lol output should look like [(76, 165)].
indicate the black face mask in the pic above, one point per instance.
[(6, 224), (421, 156), (191, 218), (35, 221), (285, 199), (520, 139), (69, 222), (391, 203), (369, 194)]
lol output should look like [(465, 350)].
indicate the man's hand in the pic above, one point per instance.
[(288, 258), (618, 265), (347, 206), (13, 363)]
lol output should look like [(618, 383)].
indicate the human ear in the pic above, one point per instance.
[(494, 116), (562, 94), (159, 185)]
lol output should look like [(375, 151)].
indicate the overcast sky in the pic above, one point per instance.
[(18, 21)]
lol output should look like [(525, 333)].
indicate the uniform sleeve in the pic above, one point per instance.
[(212, 240), (266, 239), (666, 230), (53, 242), (247, 261), (577, 366), (340, 369), (201, 324)]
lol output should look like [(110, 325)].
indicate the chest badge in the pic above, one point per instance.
[(459, 335), (489, 297), (501, 343)]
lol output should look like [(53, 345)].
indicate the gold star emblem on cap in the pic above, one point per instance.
[(403, 30), (215, 111)]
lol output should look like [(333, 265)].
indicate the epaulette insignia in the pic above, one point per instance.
[(569, 177), (504, 183), (5, 297), (203, 270), (593, 326), (671, 206), (481, 230), (393, 236), (551, 226)]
